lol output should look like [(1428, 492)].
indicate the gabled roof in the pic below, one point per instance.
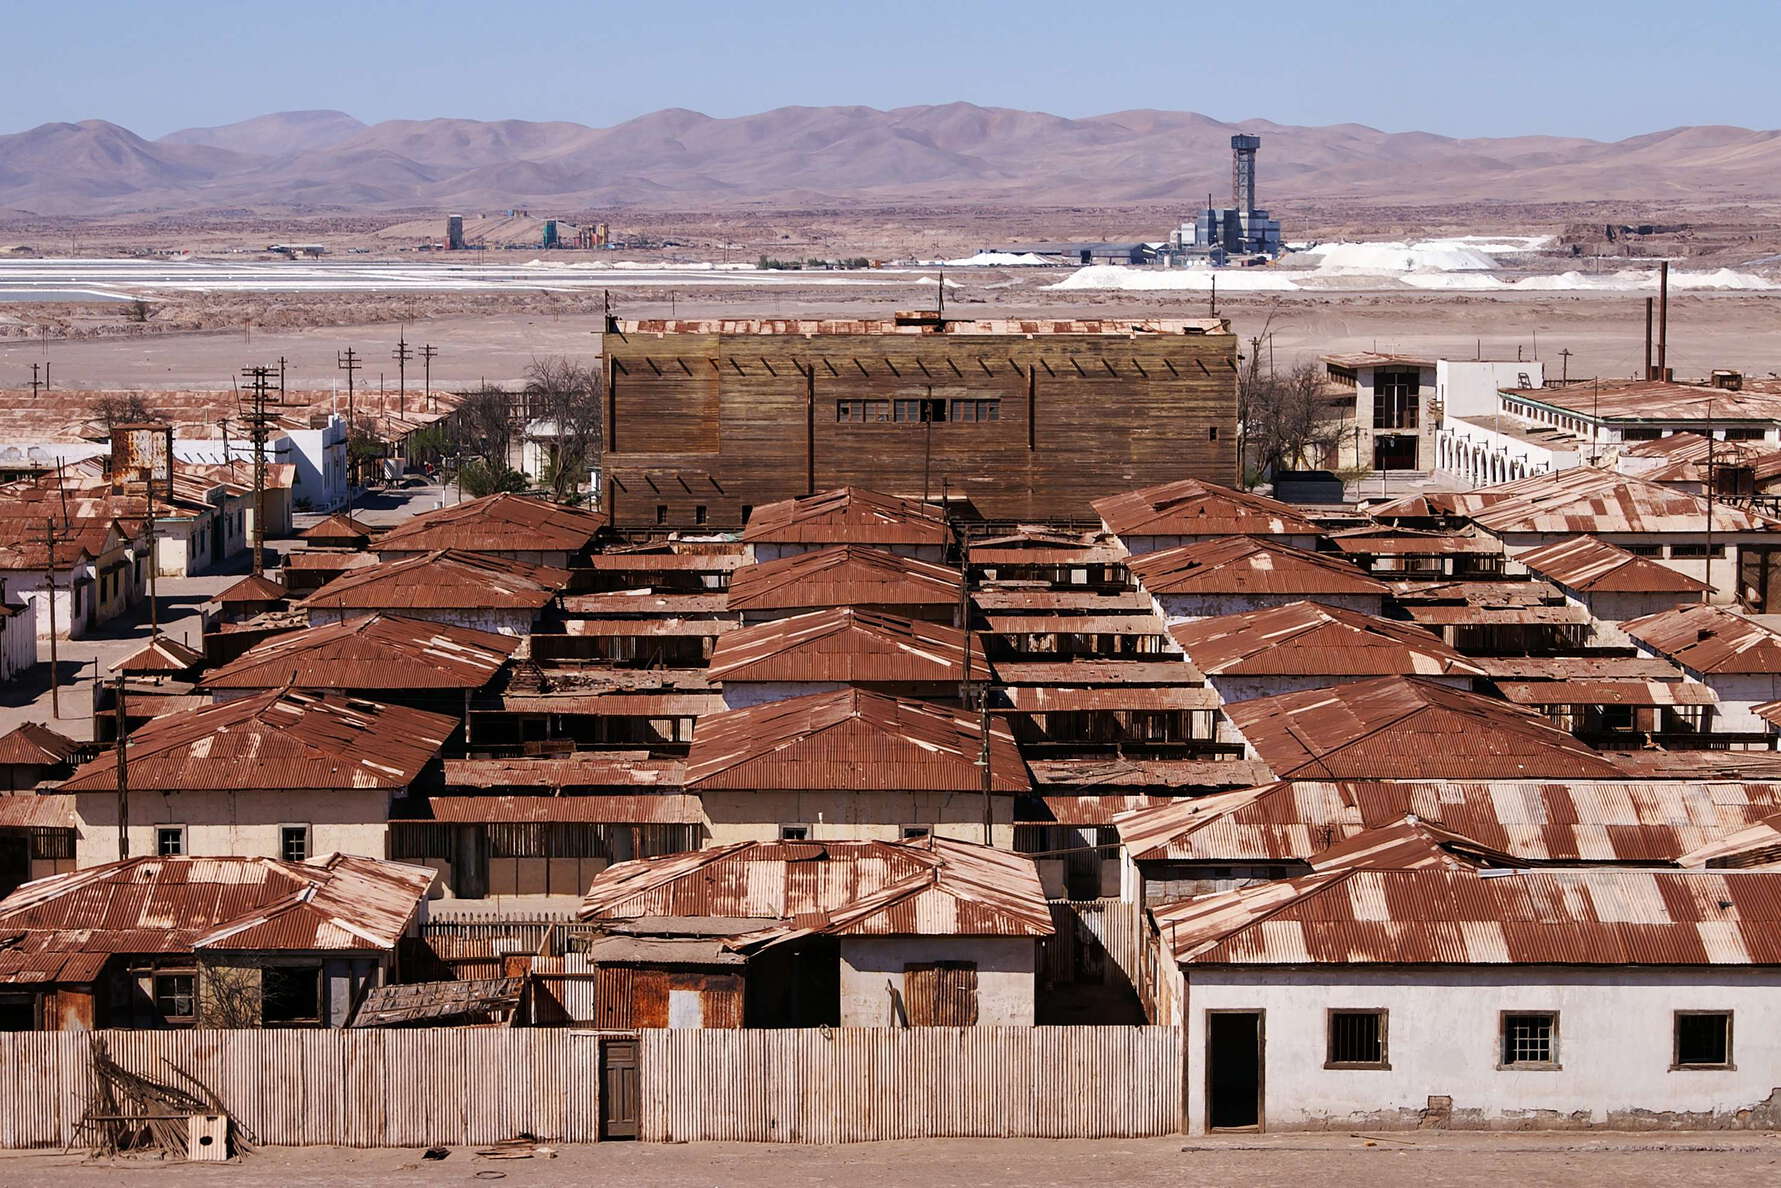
[(72, 922), (1409, 844), (1620, 820), (1758, 844), (1709, 638), (1240, 565), (850, 740), (34, 745), (1592, 500), (1194, 507), (845, 575), (1595, 566), (927, 887), (339, 526), (1395, 727), (445, 580), (497, 524), (848, 515), (1655, 400), (846, 645), (253, 588), (1439, 916), (1307, 638), (377, 651), (27, 550), (276, 741), (160, 655)]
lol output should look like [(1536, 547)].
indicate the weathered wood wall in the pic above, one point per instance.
[(728, 421)]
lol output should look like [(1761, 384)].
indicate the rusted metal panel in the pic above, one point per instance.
[(662, 808), (497, 524), (377, 651), (444, 580), (1706, 638), (1241, 565), (1584, 563), (1193, 507), (843, 575), (846, 645), (848, 515), (1310, 638)]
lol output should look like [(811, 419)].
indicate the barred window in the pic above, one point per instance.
[(1530, 1040), (1356, 1039)]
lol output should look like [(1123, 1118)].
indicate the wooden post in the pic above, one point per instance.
[(1032, 407), (123, 775), (49, 574), (810, 429)]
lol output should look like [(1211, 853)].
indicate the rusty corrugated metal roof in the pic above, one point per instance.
[(1578, 668), (1656, 400), (661, 808), (1397, 727), (1308, 638), (848, 515), (278, 741), (1242, 565), (1095, 810), (926, 887), (646, 604), (1477, 615), (1055, 699), (585, 769), (1607, 692), (1018, 599), (377, 651), (1708, 638), (845, 575), (25, 810), (1585, 563), (253, 588), (1190, 775), (497, 524), (1437, 916), (338, 529), (851, 740), (33, 744), (446, 580), (845, 645), (1194, 507), (160, 655), (1587, 499), (1172, 671)]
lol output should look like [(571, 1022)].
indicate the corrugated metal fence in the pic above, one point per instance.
[(857, 1084), (466, 1086)]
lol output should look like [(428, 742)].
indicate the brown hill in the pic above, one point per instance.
[(955, 152)]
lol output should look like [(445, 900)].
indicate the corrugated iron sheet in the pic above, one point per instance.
[(448, 580), (1587, 499), (848, 515), (1054, 699), (1303, 638), (1584, 692), (32, 744), (1241, 565), (1193, 507), (376, 651), (1586, 564), (845, 645), (662, 808), (845, 575), (497, 524), (586, 769), (1707, 638)]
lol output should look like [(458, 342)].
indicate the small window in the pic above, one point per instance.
[(976, 410), (1530, 1040), (1644, 550), (747, 511), (293, 842), (170, 840), (915, 832), (176, 997), (1703, 1039), (794, 833), (699, 513), (1745, 433), (291, 994), (908, 410), (661, 513), (1212, 433), (1356, 1039), (1696, 550)]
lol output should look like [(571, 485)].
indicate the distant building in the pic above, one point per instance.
[(454, 233), (1240, 229)]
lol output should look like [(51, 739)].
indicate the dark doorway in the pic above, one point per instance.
[(18, 1012), (1234, 1070), (620, 1093), (1394, 451), (15, 862)]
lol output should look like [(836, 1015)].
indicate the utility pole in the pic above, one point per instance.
[(123, 775), (428, 350), (154, 609), (402, 354), (259, 384), (36, 384), (1565, 360), (49, 572), (348, 361)]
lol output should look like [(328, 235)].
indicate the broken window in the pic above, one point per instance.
[(941, 993), (176, 996), (1356, 1039), (794, 833), (1703, 1039), (700, 513), (1530, 1040), (976, 410), (859, 411), (290, 994)]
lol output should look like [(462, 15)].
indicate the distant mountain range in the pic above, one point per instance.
[(953, 153)]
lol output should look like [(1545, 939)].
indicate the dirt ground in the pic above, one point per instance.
[(1422, 1160)]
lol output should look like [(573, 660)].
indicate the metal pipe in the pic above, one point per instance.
[(1647, 372), (1663, 320)]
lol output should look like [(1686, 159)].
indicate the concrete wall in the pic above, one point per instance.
[(1615, 1046), (1005, 975), (1484, 456), (1242, 688), (1470, 385), (740, 694), (1177, 608), (1139, 545), (234, 823), (772, 551), (744, 815)]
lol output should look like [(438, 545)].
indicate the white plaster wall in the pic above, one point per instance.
[(1177, 608), (744, 815), (740, 694), (1242, 688), (1470, 385), (234, 823), (18, 643), (1005, 975), (1737, 693), (1614, 1048)]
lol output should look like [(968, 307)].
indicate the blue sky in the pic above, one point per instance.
[(1462, 69)]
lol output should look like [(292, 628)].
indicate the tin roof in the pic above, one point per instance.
[(1056, 699), (337, 527), (1171, 670), (659, 808), (1708, 638), (1241, 565), (1437, 916), (1591, 565), (1587, 499), (178, 905), (32, 744), (1615, 820), (445, 580), (1655, 400), (1398, 727), (1307, 638), (1004, 598), (1578, 668), (1410, 844), (1405, 543), (584, 769), (416, 1002), (848, 515), (1169, 774), (1194, 507), (253, 588), (1607, 692), (850, 740), (26, 810), (1755, 845), (375, 651), (926, 887), (926, 323), (326, 560), (645, 604), (845, 575), (279, 740), (1374, 359), (846, 645), (160, 655), (497, 524)]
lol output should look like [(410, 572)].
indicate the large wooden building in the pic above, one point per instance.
[(1011, 419)]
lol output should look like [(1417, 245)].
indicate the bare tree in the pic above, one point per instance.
[(482, 426), (564, 410), (1286, 416), (119, 408)]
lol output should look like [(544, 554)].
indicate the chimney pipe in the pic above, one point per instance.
[(1647, 372), (1663, 320)]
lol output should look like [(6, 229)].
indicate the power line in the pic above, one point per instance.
[(348, 361), (259, 422)]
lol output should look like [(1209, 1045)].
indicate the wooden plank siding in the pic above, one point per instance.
[(728, 421)]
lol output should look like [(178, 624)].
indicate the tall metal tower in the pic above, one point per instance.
[(260, 420), (1243, 148)]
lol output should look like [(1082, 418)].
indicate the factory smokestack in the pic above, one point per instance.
[(1243, 148)]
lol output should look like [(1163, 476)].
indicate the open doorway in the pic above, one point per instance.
[(1234, 1070)]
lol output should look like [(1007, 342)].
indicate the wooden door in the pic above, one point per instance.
[(941, 993), (620, 1093)]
